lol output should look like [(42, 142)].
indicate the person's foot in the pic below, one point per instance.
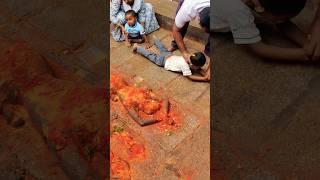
[(135, 47)]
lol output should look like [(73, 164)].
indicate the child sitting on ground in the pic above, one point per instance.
[(176, 63), (240, 17), (133, 30)]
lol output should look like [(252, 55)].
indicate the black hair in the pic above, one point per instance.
[(131, 13), (283, 6), (198, 59)]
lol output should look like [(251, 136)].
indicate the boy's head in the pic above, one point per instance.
[(131, 17), (198, 59), (129, 2), (277, 11)]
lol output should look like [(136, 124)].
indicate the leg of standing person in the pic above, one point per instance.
[(183, 31)]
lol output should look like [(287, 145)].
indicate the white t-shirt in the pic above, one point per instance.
[(177, 64), (235, 16), (190, 10)]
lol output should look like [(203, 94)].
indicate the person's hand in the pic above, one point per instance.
[(207, 76), (187, 56), (312, 46), (142, 24), (148, 45)]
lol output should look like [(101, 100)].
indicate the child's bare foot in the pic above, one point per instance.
[(135, 47)]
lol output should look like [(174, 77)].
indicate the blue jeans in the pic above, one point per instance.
[(155, 58)]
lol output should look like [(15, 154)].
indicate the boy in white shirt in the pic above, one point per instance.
[(176, 63)]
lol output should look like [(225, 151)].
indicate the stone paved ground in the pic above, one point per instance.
[(266, 114), (173, 156), (64, 32)]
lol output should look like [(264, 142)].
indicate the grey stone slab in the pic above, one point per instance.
[(92, 56)]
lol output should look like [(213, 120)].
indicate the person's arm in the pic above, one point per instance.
[(127, 39), (133, 114), (122, 28), (293, 33), (140, 7), (206, 72), (198, 78), (142, 122), (183, 17), (277, 53), (312, 47), (179, 40)]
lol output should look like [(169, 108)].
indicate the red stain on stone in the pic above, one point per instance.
[(125, 150), (145, 102), (78, 95)]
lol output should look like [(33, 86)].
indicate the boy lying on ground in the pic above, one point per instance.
[(133, 30), (176, 63), (239, 16)]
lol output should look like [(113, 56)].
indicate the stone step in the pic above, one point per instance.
[(166, 10)]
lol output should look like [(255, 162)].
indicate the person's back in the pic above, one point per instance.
[(177, 64)]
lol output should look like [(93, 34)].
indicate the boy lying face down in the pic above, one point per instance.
[(177, 63)]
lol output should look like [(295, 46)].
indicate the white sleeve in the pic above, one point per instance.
[(184, 15), (186, 70)]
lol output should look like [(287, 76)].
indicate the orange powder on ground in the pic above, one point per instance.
[(124, 151), (146, 103), (132, 149)]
